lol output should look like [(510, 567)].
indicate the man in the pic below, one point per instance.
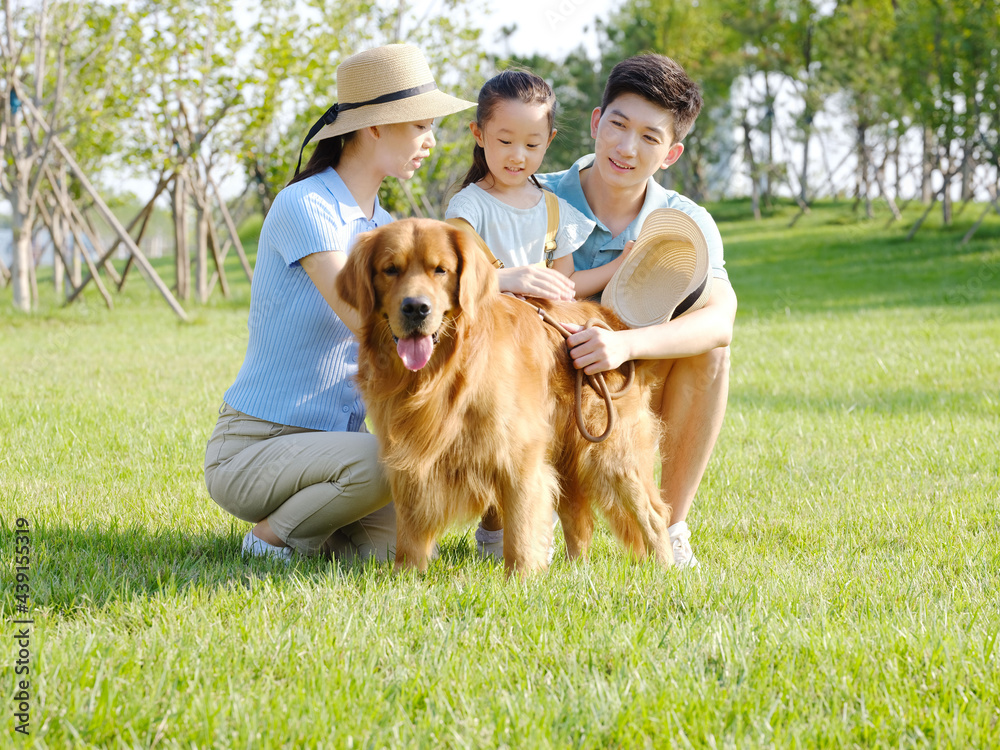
[(649, 105)]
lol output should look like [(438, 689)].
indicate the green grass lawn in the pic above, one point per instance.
[(848, 531)]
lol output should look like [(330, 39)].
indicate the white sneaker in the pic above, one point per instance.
[(680, 543), (256, 547), (489, 544)]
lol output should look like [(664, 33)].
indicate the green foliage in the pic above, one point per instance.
[(847, 529), (148, 83), (184, 57), (296, 55), (80, 89), (951, 73)]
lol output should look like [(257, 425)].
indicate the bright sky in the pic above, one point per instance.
[(550, 27)]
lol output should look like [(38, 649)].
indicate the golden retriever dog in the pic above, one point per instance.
[(471, 396)]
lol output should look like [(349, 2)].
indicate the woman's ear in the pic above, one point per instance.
[(354, 282)]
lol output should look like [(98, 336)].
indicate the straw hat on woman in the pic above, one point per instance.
[(290, 452)]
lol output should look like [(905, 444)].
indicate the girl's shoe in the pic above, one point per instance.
[(489, 544)]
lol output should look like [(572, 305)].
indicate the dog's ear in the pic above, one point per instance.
[(476, 277), (354, 282)]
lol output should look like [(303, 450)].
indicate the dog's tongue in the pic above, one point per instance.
[(415, 351)]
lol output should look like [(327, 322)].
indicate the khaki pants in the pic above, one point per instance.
[(318, 490)]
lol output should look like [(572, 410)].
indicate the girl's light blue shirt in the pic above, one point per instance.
[(301, 359)]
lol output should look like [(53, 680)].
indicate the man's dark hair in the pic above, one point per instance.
[(659, 80)]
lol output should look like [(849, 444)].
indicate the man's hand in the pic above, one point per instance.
[(596, 349), (536, 281)]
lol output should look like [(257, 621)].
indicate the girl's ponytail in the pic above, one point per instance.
[(479, 168)]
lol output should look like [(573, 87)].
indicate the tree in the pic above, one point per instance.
[(54, 60), (861, 62), (952, 80)]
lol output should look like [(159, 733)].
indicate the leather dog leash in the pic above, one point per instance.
[(596, 380)]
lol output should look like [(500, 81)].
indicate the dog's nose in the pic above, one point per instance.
[(415, 309)]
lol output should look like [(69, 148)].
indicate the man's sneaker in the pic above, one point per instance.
[(680, 543), (255, 547)]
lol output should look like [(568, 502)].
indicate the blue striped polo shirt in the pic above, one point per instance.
[(301, 359), (602, 247)]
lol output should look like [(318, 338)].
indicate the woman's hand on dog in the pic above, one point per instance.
[(535, 281), (596, 349)]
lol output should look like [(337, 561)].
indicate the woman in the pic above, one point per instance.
[(290, 452)]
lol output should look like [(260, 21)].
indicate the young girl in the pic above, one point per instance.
[(503, 201)]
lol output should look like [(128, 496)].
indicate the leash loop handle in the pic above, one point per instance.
[(596, 382)]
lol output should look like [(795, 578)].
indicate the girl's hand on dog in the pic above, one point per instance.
[(596, 349), (535, 281)]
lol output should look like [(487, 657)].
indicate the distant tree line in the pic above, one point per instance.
[(190, 95), (890, 70)]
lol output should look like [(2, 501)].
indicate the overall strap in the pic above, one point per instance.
[(552, 210), (459, 223)]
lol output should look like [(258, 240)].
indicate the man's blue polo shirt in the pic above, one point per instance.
[(601, 247)]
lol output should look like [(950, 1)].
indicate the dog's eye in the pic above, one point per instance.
[(440, 270), (390, 271)]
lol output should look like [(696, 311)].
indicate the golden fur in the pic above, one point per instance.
[(489, 420)]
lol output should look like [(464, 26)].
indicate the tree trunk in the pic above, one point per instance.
[(880, 183), (926, 181), (864, 168), (20, 269), (23, 262), (699, 188), (754, 189), (804, 174), (58, 236), (968, 170), (766, 176), (898, 181), (231, 226), (201, 262), (58, 272), (76, 269), (946, 201), (182, 260)]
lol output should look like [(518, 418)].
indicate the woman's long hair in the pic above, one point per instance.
[(509, 85), (326, 154)]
